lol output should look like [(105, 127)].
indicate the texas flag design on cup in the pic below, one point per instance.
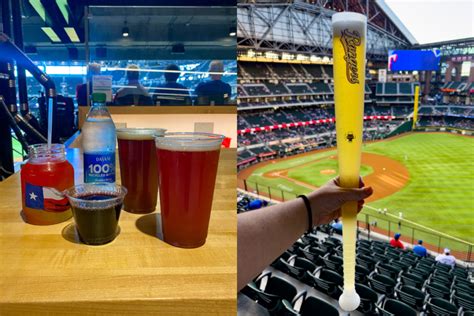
[(44, 198)]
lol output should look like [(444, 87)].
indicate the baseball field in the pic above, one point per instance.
[(427, 177)]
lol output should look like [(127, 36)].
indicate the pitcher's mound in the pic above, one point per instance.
[(328, 171)]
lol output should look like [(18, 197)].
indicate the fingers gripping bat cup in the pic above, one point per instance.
[(349, 41)]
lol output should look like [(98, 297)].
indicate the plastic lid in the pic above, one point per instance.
[(99, 97)]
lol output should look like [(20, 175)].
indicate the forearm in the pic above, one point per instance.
[(265, 234)]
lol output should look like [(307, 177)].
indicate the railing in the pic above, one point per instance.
[(380, 223)]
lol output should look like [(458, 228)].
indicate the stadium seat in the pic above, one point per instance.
[(440, 279), (308, 306), (368, 299), (313, 254), (421, 271), (437, 290), (382, 284), (366, 261), (391, 307), (328, 281), (388, 270), (413, 280), (460, 272), (463, 288), (440, 307), (333, 262), (401, 265), (269, 290), (464, 282), (410, 296), (443, 267), (361, 274), (297, 267), (277, 264), (464, 300)]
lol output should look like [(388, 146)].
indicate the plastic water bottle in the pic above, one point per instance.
[(98, 142)]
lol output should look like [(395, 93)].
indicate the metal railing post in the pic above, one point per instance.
[(282, 195), (439, 244), (245, 184), (389, 227), (256, 186), (269, 193), (412, 235), (367, 223)]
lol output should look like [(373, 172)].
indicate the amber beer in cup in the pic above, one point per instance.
[(138, 168), (187, 168)]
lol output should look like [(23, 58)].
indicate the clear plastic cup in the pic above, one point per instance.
[(96, 209), (138, 167), (187, 168)]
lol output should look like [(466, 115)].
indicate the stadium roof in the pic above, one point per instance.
[(392, 16)]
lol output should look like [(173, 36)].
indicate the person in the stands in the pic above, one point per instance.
[(214, 90), (395, 242), (172, 92), (419, 249)]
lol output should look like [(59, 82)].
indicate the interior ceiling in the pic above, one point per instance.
[(204, 31)]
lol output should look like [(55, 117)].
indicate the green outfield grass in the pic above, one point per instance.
[(439, 194), (17, 148)]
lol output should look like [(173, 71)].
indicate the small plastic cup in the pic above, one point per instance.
[(96, 209)]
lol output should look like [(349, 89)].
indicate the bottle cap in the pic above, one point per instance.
[(99, 97)]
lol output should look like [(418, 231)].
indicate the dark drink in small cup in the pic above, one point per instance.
[(96, 210), (187, 168), (138, 167)]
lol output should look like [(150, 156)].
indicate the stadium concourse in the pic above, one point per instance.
[(307, 278)]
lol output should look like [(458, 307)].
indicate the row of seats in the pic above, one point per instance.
[(254, 70), (389, 281)]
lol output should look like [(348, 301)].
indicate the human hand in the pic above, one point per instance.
[(326, 201)]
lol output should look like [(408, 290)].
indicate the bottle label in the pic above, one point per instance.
[(99, 167), (45, 198)]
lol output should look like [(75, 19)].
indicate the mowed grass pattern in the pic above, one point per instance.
[(439, 194)]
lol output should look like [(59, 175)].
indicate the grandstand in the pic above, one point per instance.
[(286, 108), (307, 278)]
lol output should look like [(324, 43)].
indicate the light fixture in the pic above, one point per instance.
[(125, 30), (51, 34), (64, 8), (39, 8), (71, 32), (232, 31)]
